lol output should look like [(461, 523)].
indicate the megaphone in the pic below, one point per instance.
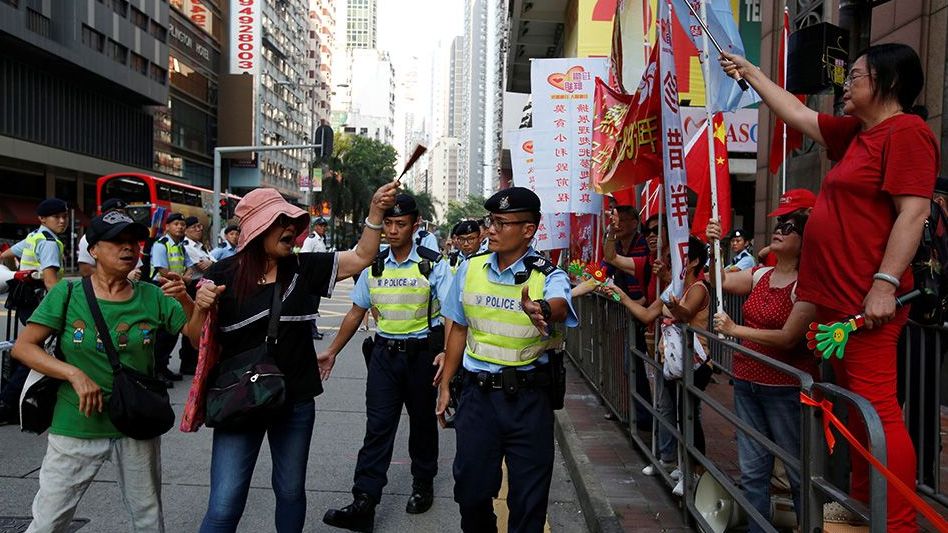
[(716, 505)]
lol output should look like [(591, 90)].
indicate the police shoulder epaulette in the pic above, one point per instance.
[(540, 264), (49, 236), (311, 235), (429, 254), (163, 240)]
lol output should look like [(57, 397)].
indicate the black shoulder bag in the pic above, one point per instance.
[(39, 399), (248, 388), (138, 406)]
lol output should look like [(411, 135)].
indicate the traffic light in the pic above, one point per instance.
[(226, 211)]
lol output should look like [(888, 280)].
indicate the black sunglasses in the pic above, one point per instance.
[(787, 227), (650, 230)]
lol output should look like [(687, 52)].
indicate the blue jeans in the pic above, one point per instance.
[(775, 412), (233, 457)]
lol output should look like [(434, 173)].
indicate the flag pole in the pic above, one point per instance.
[(713, 176), (784, 35)]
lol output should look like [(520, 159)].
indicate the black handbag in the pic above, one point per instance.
[(139, 406), (249, 388), (38, 400)]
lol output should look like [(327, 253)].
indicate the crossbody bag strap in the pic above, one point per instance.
[(100, 326), (273, 329), (57, 351)]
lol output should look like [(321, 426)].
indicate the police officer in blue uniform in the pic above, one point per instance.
[(506, 309), (466, 235), (406, 285)]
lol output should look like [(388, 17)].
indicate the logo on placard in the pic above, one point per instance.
[(528, 147), (570, 81)]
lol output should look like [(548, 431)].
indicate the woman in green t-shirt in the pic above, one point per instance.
[(82, 437)]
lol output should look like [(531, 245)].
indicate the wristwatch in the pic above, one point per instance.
[(545, 308)]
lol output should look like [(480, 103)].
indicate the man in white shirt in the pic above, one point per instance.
[(194, 246), (316, 241)]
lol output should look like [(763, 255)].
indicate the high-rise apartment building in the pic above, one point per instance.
[(361, 23), (322, 29), (485, 23), (78, 81)]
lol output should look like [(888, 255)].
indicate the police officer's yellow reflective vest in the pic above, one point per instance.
[(400, 295), (29, 260), (498, 331), (175, 253)]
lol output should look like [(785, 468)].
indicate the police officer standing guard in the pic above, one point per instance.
[(405, 284), (504, 305), (168, 257), (42, 252), (466, 235)]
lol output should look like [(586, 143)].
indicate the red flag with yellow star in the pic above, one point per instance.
[(696, 163)]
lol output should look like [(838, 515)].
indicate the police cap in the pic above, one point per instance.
[(404, 205), (465, 227), (513, 200), (51, 206), (191, 221), (174, 217)]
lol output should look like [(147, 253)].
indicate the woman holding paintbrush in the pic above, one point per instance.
[(864, 230)]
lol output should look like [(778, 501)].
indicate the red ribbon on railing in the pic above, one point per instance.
[(830, 421)]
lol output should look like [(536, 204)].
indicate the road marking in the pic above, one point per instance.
[(500, 504)]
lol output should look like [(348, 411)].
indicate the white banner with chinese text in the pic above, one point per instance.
[(562, 92)]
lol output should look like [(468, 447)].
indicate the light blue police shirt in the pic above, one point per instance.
[(556, 285), (440, 280), (159, 254), (46, 251)]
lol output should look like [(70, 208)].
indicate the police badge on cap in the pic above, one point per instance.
[(513, 200), (404, 205)]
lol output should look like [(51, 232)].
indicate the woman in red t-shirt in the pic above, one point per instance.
[(864, 230), (774, 324)]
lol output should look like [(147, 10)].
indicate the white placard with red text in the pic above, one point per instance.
[(245, 29), (562, 92), (553, 231)]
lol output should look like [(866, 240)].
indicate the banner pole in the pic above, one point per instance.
[(713, 176), (784, 32)]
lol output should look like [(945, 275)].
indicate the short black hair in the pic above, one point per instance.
[(627, 210), (896, 74)]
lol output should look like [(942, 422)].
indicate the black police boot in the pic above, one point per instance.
[(422, 496), (357, 516)]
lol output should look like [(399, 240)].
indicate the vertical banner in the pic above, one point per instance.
[(562, 93), (553, 232), (582, 243), (676, 189), (245, 56)]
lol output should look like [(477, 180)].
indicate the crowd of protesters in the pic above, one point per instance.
[(810, 269)]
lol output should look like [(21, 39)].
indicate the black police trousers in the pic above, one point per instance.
[(491, 427), (398, 378)]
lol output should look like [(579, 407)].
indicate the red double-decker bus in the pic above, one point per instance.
[(144, 194)]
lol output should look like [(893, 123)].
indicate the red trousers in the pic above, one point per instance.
[(868, 368)]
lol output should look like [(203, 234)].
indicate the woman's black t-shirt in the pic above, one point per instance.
[(243, 326)]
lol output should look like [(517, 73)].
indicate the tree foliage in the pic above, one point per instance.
[(425, 202), (359, 166), (472, 207)]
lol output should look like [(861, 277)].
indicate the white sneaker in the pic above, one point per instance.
[(652, 470), (675, 474), (679, 489)]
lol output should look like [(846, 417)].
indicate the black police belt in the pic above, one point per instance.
[(510, 380), (402, 345)]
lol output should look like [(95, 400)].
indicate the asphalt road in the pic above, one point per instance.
[(340, 424)]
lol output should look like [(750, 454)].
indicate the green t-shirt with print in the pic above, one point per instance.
[(133, 326)]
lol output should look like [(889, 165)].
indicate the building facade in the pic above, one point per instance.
[(186, 128), (78, 81), (361, 23), (322, 29)]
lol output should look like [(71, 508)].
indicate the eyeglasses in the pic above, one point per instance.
[(848, 81), (787, 227), (650, 230), (489, 221), (469, 239)]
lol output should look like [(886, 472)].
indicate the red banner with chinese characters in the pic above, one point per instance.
[(627, 145)]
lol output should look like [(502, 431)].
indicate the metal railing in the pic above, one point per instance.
[(602, 348)]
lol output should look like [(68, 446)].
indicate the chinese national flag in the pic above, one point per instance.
[(794, 137), (696, 162)]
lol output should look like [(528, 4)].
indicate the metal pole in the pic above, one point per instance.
[(784, 35), (215, 216)]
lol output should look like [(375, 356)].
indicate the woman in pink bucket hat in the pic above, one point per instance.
[(242, 287)]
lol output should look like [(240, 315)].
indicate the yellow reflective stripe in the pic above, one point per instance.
[(400, 295), (505, 329), (503, 356)]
